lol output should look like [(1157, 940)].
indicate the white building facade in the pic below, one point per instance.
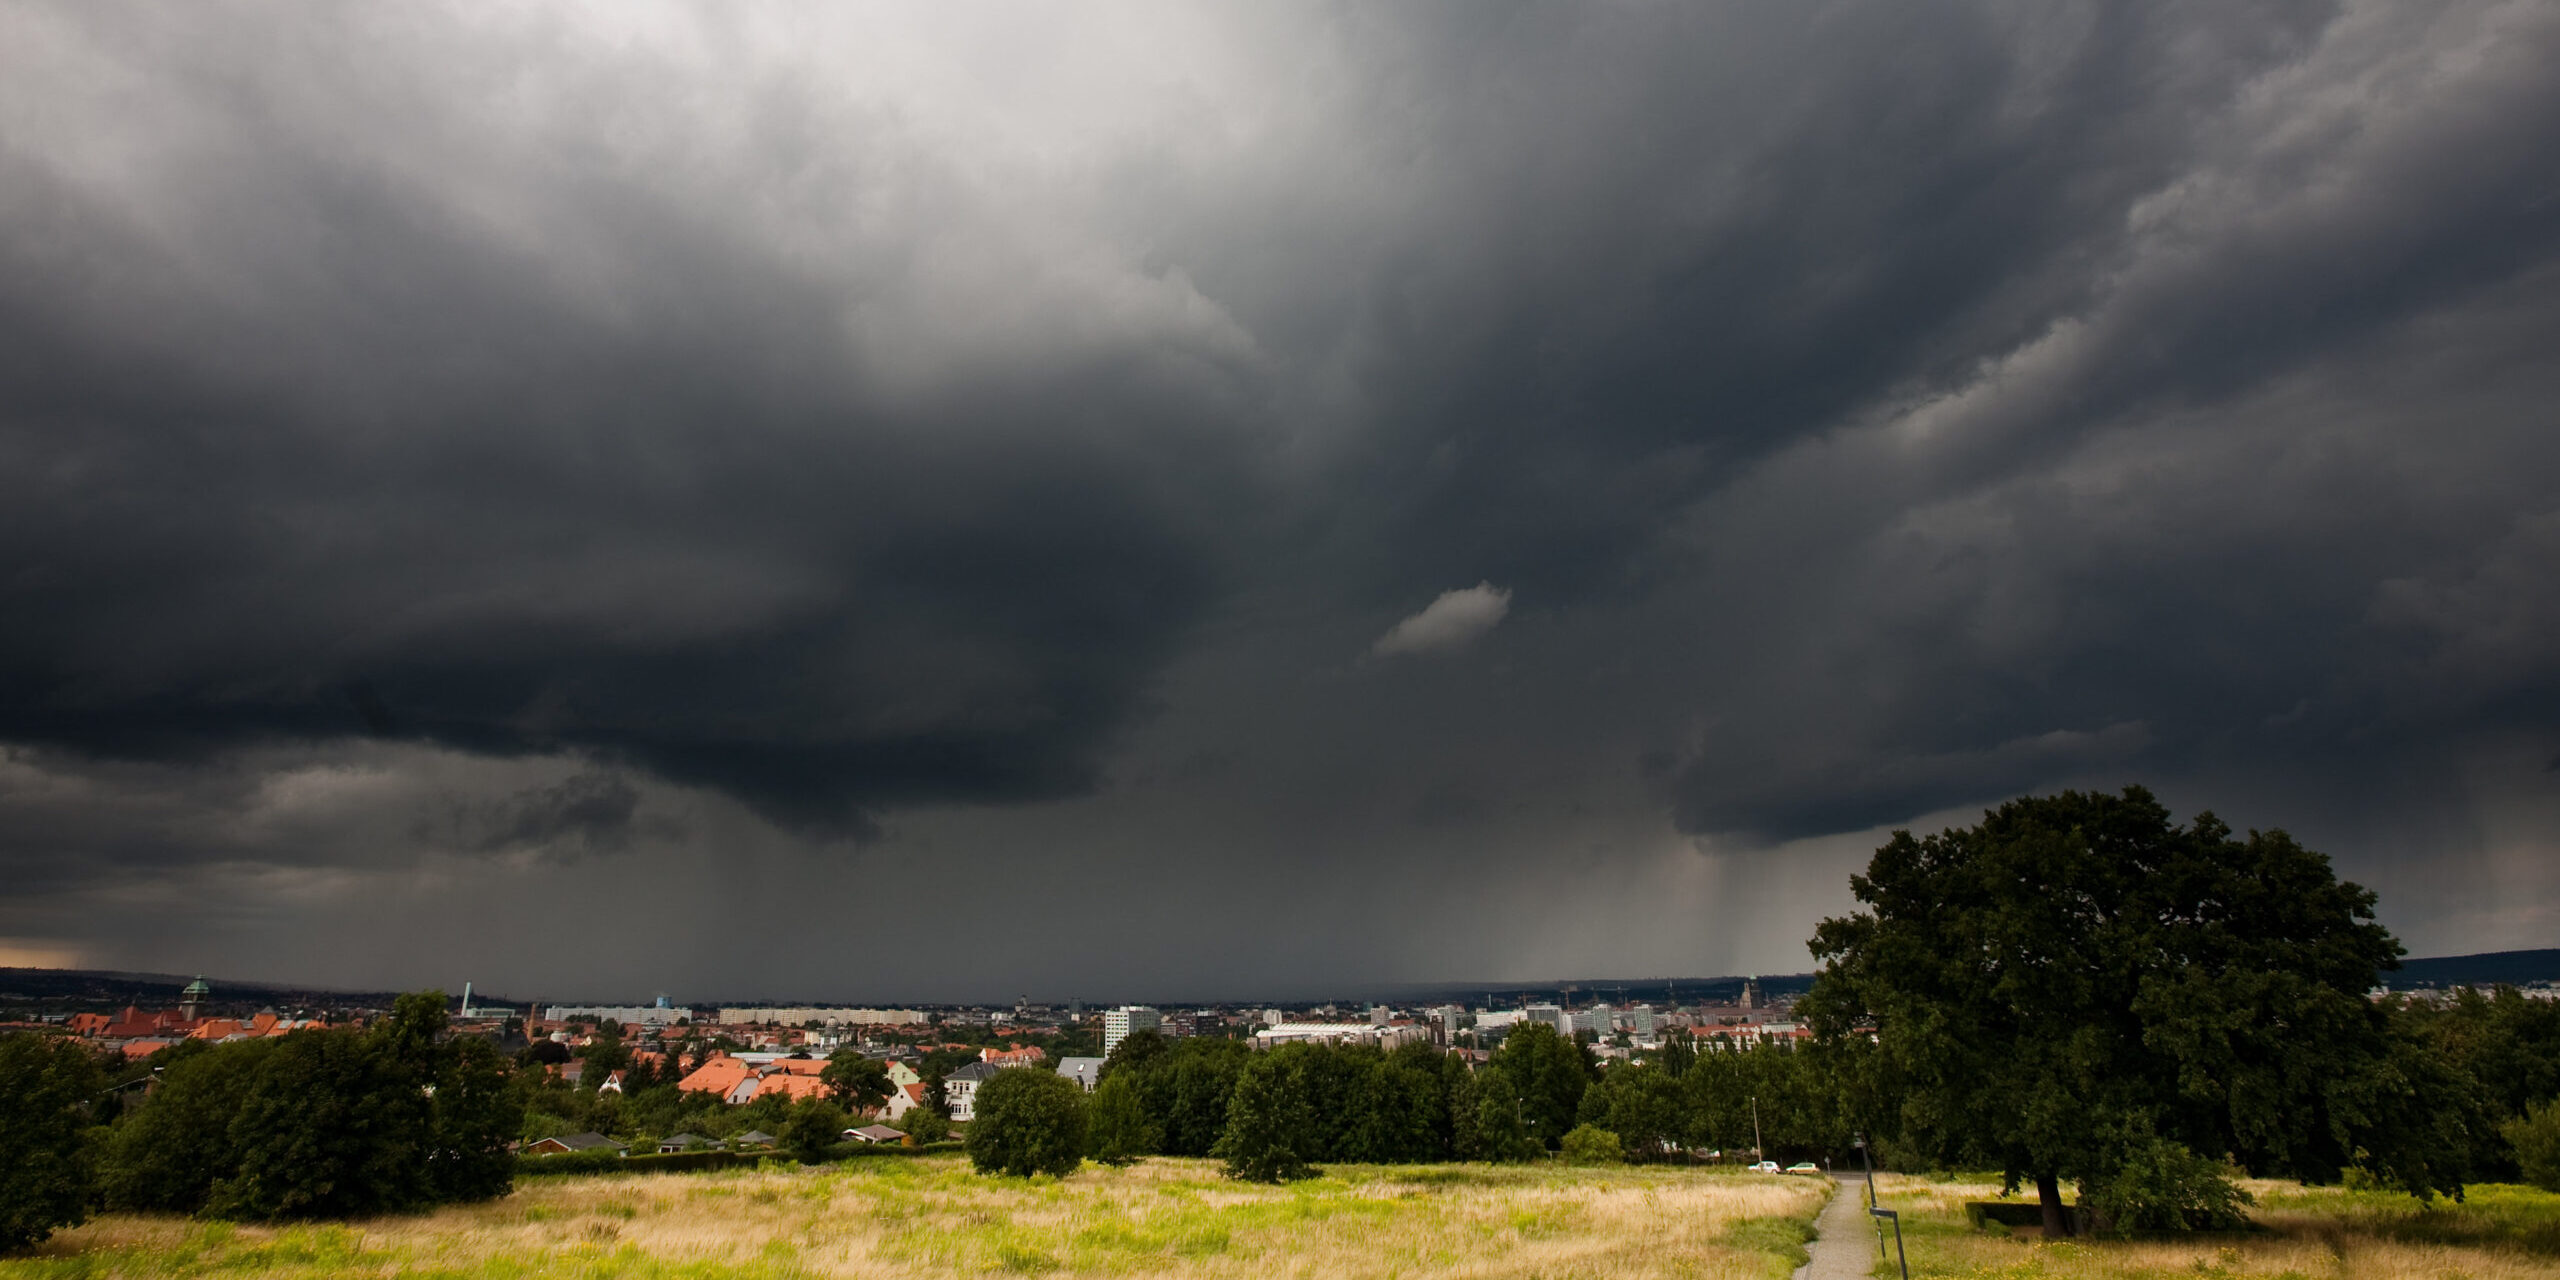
[(1126, 1021)]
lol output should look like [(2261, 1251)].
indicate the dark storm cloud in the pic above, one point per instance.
[(301, 446), (2200, 503), (2060, 387), (1664, 244), (591, 811), (544, 428)]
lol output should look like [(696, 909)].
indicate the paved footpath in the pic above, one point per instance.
[(1844, 1242)]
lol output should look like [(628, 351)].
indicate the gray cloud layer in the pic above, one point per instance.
[(462, 450)]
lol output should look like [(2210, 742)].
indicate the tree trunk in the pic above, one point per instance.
[(2057, 1221)]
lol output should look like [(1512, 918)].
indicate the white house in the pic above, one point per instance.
[(960, 1088)]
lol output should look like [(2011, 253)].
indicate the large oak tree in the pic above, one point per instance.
[(2077, 976)]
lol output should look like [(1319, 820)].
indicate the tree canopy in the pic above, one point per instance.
[(1119, 1131), (1550, 1072), (332, 1123), (859, 1082), (46, 1087), (2077, 975), (1271, 1120)]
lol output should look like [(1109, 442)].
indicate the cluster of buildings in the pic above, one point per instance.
[(139, 1033), (665, 1014), (767, 1051), (1750, 1021), (1621, 1030), (741, 1078), (2435, 995)]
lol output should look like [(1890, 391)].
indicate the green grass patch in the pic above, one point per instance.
[(2297, 1233), (934, 1218), (2490, 1215), (1781, 1238)]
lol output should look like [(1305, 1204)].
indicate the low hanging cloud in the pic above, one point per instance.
[(1451, 622)]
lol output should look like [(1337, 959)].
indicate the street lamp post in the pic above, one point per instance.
[(1757, 1154), (1879, 1213)]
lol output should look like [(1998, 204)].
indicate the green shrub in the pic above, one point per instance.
[(573, 1162), (1591, 1144), (1027, 1121), (2162, 1186), (681, 1161), (925, 1125), (2535, 1135), (590, 1163), (815, 1125)]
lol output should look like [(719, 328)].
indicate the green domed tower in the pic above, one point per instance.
[(193, 996)]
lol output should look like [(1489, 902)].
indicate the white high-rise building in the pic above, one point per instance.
[(1125, 1021)]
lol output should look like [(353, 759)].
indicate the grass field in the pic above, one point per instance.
[(2305, 1233), (933, 1217)]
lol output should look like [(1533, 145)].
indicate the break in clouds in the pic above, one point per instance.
[(752, 502)]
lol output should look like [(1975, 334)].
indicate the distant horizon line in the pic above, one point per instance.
[(1407, 989)]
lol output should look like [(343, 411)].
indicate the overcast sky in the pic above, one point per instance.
[(1109, 501)]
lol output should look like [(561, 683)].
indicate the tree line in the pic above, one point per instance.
[(1280, 1114)]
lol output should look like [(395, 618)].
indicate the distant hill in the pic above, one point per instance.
[(94, 987), (2515, 968)]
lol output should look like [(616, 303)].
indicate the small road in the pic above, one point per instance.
[(1844, 1242)]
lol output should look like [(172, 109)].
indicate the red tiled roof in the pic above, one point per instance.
[(134, 1022), (791, 1086), (719, 1075)]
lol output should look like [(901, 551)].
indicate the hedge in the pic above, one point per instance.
[(593, 1162)]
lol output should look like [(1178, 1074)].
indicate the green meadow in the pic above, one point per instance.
[(933, 1217)]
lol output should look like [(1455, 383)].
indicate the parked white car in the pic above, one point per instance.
[(1765, 1166)]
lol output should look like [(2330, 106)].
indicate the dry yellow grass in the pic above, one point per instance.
[(934, 1218), (2500, 1233)]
